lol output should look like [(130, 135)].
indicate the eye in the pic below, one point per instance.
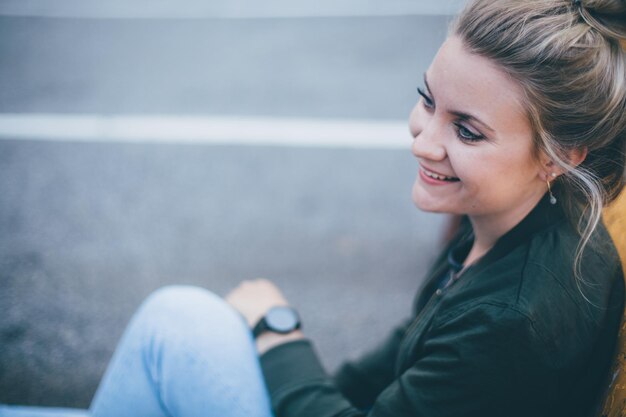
[(428, 102), (466, 134)]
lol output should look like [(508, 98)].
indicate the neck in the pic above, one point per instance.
[(488, 229)]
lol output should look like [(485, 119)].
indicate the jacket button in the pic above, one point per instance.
[(438, 292)]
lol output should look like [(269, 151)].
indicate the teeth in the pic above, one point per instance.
[(438, 177)]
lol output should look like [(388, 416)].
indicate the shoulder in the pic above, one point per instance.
[(551, 280), (569, 302), (542, 276), (533, 292)]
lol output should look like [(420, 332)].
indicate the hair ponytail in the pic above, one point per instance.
[(606, 16)]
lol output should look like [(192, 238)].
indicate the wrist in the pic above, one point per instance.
[(278, 319), (269, 340)]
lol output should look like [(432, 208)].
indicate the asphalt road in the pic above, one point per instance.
[(313, 67), (87, 230)]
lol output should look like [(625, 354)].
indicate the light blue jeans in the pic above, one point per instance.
[(185, 353)]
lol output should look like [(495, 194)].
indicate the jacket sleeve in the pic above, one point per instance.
[(362, 380), (471, 364)]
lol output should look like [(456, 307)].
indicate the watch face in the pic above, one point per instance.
[(282, 319)]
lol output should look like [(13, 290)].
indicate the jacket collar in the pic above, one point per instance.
[(541, 217)]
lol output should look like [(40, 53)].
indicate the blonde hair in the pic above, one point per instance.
[(568, 58)]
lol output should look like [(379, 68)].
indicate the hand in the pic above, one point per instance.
[(253, 299)]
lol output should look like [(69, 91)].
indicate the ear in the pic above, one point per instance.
[(551, 170), (577, 156)]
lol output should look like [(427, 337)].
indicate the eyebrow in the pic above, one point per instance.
[(461, 115)]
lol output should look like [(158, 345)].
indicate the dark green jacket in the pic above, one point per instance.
[(516, 335)]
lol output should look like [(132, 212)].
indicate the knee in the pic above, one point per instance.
[(181, 307), (178, 327), (180, 297)]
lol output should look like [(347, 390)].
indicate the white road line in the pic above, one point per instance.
[(326, 133)]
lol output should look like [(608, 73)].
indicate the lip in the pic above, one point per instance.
[(433, 181)]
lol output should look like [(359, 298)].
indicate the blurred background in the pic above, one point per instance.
[(144, 144)]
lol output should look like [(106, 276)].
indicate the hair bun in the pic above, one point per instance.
[(606, 16)]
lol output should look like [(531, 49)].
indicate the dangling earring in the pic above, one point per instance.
[(552, 197)]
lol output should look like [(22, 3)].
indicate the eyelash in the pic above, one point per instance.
[(469, 136), (428, 102), (462, 132)]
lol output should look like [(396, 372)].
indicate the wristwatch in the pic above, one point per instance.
[(280, 320)]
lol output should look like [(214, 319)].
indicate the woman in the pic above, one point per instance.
[(520, 128)]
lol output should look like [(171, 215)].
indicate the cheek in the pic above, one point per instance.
[(464, 161), (476, 169), (491, 176)]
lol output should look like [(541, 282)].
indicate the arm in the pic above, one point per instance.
[(362, 380), (252, 299), (487, 361)]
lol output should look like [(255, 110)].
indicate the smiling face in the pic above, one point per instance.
[(473, 141)]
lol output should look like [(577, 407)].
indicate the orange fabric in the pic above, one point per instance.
[(615, 220), (615, 400)]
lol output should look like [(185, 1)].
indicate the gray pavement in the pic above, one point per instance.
[(313, 67), (194, 9), (87, 230)]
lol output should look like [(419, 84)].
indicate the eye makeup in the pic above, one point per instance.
[(463, 132), (428, 102)]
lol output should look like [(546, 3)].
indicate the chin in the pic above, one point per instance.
[(425, 202), (429, 206), (430, 209)]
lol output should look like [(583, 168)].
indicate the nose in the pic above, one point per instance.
[(428, 136)]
